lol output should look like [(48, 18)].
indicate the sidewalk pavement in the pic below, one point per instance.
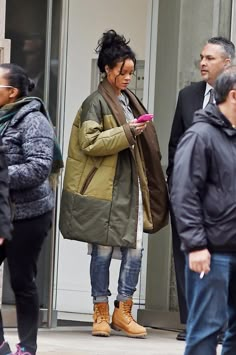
[(78, 341)]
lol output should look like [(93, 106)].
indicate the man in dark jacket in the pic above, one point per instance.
[(216, 55), (203, 197), (5, 215)]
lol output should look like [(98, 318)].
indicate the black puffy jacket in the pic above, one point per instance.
[(203, 193), (5, 214)]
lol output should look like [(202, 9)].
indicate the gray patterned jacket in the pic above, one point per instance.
[(29, 152)]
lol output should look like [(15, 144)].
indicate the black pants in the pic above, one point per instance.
[(22, 253), (179, 261)]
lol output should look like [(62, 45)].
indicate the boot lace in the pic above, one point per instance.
[(127, 311), (102, 312)]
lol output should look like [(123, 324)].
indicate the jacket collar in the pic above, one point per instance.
[(213, 116)]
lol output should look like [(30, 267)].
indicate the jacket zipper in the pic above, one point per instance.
[(88, 180)]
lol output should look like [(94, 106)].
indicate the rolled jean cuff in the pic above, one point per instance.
[(122, 298), (100, 299)]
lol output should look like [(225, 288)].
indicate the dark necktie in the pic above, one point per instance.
[(211, 99)]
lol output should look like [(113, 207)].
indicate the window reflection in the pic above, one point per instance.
[(33, 50), (26, 23), (26, 28)]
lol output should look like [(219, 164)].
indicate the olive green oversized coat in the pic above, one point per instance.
[(100, 194)]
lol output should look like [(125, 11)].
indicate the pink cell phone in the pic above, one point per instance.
[(145, 118)]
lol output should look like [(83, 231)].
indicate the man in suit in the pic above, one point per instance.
[(216, 56)]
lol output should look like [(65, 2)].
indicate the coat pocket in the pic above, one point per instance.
[(88, 180)]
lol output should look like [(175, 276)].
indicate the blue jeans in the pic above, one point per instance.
[(211, 302), (99, 272)]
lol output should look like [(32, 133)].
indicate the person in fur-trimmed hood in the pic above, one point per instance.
[(114, 187)]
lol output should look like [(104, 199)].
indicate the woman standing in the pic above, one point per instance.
[(28, 138), (114, 187)]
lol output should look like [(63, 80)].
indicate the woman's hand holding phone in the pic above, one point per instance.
[(145, 118), (139, 124)]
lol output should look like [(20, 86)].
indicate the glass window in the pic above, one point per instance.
[(26, 27), (35, 46)]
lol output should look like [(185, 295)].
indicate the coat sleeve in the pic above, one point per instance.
[(5, 212), (187, 192), (177, 131), (94, 140), (37, 150)]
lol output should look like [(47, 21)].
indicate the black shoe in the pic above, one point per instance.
[(181, 335), (5, 349), (220, 337)]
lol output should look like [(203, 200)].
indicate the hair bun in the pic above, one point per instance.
[(111, 49), (111, 39), (31, 85)]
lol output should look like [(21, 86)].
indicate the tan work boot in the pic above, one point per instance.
[(101, 317), (123, 320)]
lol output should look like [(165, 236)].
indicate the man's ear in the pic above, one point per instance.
[(227, 62), (232, 96), (14, 93), (233, 93)]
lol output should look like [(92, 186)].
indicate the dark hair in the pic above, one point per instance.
[(227, 46), (225, 82), (113, 48), (16, 76)]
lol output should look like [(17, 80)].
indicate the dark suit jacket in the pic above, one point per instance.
[(190, 100)]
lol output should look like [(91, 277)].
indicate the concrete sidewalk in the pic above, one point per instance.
[(78, 341)]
